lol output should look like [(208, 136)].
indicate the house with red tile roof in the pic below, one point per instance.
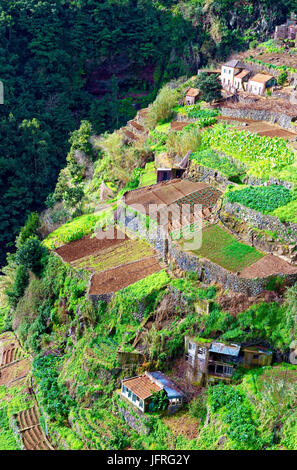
[(140, 390)]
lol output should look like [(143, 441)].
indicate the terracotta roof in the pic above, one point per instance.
[(261, 78), (142, 386), (242, 74), (192, 92)]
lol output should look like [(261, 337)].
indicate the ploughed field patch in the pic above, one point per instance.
[(120, 277), (267, 266), (223, 249), (88, 245), (31, 433), (258, 127), (116, 260)]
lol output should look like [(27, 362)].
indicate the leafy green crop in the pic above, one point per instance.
[(210, 159), (260, 155), (261, 198)]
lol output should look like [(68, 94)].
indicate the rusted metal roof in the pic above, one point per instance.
[(228, 350), (142, 386)]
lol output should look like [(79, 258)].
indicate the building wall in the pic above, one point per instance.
[(254, 359), (256, 88), (190, 100), (133, 398), (227, 75)]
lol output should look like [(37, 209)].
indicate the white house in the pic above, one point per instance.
[(228, 72), (259, 83)]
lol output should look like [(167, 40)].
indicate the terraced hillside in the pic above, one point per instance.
[(116, 261), (31, 433), (17, 401)]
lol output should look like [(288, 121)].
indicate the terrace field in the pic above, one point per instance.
[(76, 229), (261, 156), (115, 255), (223, 249)]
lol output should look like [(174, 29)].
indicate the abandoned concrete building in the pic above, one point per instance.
[(212, 361), (167, 169)]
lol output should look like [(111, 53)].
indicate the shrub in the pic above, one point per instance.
[(162, 107), (50, 200), (179, 143), (31, 228), (54, 396), (30, 255), (20, 284), (73, 196), (282, 78), (237, 413), (210, 87)]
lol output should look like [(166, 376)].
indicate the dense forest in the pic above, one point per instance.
[(63, 61)]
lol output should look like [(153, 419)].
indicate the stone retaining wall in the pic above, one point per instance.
[(134, 420), (282, 119), (287, 232), (207, 271), (210, 272), (197, 173)]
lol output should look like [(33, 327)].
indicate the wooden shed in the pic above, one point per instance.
[(253, 356)]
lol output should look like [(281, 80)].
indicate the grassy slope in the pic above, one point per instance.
[(222, 248)]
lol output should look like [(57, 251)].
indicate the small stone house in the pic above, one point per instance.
[(192, 94), (258, 84), (139, 391), (212, 361), (256, 357)]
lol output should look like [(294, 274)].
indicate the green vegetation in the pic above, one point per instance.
[(237, 412), (8, 440), (210, 159), (179, 143), (287, 213), (73, 230), (271, 47), (197, 112), (262, 156), (282, 78), (209, 86), (264, 199), (221, 248), (149, 175), (282, 68), (162, 108), (55, 398)]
